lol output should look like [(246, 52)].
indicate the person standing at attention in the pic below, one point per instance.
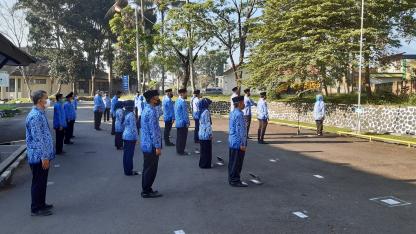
[(70, 119), (59, 123), (107, 106), (98, 110), (119, 125), (262, 117), (168, 116), (248, 103), (205, 134), (40, 152), (319, 114), (182, 122), (114, 101), (195, 113), (151, 143), (130, 137), (235, 90)]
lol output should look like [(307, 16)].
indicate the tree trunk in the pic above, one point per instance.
[(59, 89), (163, 51), (27, 81), (93, 84), (367, 75)]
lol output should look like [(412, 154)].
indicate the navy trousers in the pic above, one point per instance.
[(118, 140), (39, 183), (235, 164), (205, 154), (128, 157), (59, 140), (182, 135), (166, 133), (150, 165)]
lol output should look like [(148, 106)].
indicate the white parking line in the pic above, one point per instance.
[(319, 176), (300, 215), (57, 165), (179, 232), (50, 183)]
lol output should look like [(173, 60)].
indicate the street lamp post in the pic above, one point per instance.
[(359, 110)]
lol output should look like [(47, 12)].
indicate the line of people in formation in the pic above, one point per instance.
[(141, 115)]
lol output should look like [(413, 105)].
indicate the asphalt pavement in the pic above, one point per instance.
[(311, 185)]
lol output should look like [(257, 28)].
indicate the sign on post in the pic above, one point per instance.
[(125, 83), (4, 79)]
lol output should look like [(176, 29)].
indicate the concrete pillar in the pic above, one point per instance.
[(3, 93), (16, 86)]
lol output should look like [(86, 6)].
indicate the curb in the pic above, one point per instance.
[(14, 162)]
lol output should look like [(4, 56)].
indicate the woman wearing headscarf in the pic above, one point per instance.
[(119, 125), (205, 133), (130, 137), (319, 114)]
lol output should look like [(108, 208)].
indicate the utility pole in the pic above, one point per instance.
[(137, 50), (190, 54)]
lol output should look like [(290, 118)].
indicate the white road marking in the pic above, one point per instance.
[(391, 201), (274, 160), (57, 165), (179, 232), (219, 141), (300, 215), (50, 183), (197, 152), (220, 164), (318, 176), (255, 181)]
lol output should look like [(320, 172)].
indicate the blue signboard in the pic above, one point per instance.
[(125, 83)]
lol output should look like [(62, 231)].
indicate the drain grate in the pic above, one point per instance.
[(390, 201)]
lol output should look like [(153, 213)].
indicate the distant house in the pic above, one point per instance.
[(39, 78), (227, 82)]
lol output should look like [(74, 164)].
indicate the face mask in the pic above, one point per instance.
[(158, 102), (48, 103)]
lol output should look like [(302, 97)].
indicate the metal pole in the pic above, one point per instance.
[(137, 51), (360, 68)]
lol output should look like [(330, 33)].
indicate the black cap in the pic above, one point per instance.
[(182, 91), (71, 94), (246, 90), (150, 93), (238, 99), (58, 96), (263, 94), (168, 90), (235, 89), (197, 91)]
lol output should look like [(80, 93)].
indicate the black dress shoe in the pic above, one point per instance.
[(47, 207), (239, 184), (42, 213), (153, 194)]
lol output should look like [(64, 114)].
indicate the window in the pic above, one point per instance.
[(11, 85), (39, 81)]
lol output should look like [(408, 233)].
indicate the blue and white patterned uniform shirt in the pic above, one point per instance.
[(107, 102), (151, 137), (114, 100), (38, 137), (119, 123), (248, 103), (69, 111), (195, 107), (205, 127), (98, 103), (181, 113), (130, 127), (168, 109), (139, 103), (59, 118), (262, 110), (238, 130)]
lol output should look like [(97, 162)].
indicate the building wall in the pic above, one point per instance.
[(229, 82)]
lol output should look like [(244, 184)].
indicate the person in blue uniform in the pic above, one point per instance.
[(114, 101), (130, 137), (205, 133), (248, 103), (262, 117), (151, 143), (98, 110), (233, 95), (59, 123), (70, 119), (195, 113), (40, 152), (182, 122), (237, 142), (75, 104), (139, 103), (119, 125), (168, 116), (107, 107), (319, 114)]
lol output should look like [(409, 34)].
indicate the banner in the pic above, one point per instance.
[(4, 79), (125, 83)]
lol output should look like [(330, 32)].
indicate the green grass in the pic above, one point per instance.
[(333, 129), (7, 107)]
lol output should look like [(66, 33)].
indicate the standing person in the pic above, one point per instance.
[(248, 103), (119, 125), (70, 119), (319, 114), (107, 107), (139, 104), (168, 116), (59, 123), (195, 112), (39, 152), (237, 142), (151, 143), (130, 137), (114, 101), (182, 122), (263, 117), (75, 104), (98, 110), (205, 133), (235, 89)]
